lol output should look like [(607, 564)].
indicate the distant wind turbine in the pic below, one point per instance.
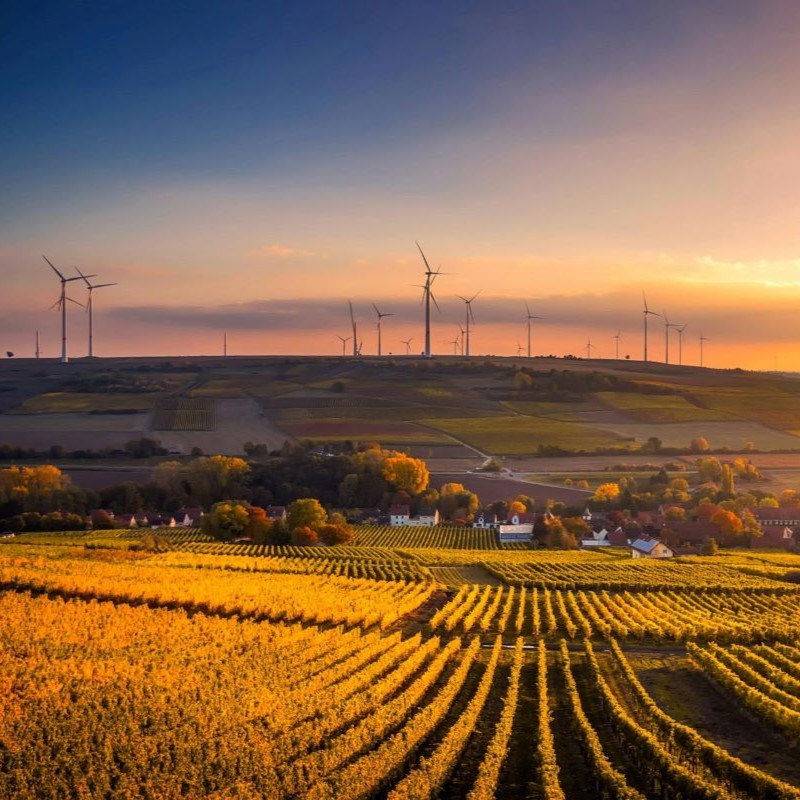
[(617, 336), (355, 330), (589, 348), (38, 352), (61, 304), (407, 343), (380, 317), (667, 326), (344, 340), (462, 339), (90, 306), (647, 313), (224, 345), (469, 315), (529, 318), (703, 340), (520, 350)]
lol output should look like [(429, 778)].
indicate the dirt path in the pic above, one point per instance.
[(684, 693)]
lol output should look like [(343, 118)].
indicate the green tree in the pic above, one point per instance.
[(306, 513), (226, 520), (710, 547)]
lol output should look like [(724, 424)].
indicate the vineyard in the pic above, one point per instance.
[(222, 671), (185, 414)]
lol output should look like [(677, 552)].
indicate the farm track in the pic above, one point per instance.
[(686, 694), (518, 779), (463, 778)]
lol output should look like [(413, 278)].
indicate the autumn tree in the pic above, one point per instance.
[(558, 537), (727, 485), (699, 445), (404, 472), (606, 493), (751, 527), (728, 524), (457, 502), (336, 534), (304, 536), (709, 469)]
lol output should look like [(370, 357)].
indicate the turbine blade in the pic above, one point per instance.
[(435, 303), (427, 265), (102, 285), (53, 267)]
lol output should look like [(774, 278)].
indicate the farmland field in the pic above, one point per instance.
[(521, 434), (224, 674)]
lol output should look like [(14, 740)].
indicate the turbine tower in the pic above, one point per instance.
[(703, 339), (380, 317), (90, 306), (344, 340), (647, 312), (224, 345), (617, 336), (355, 330), (667, 326), (470, 316), (520, 350), (407, 343), (680, 330), (462, 338), (61, 304), (427, 297), (38, 352), (530, 317), (455, 345), (589, 348)]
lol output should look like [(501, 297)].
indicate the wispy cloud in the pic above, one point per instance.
[(276, 250)]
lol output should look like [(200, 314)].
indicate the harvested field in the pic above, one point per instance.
[(655, 408), (72, 431), (237, 422), (490, 489), (718, 434)]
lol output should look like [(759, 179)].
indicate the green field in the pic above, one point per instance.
[(88, 403), (660, 408), (522, 435)]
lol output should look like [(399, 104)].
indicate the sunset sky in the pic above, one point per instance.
[(247, 167)]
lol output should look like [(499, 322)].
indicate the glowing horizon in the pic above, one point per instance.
[(256, 175)]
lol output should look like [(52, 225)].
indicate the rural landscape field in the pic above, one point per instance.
[(406, 662)]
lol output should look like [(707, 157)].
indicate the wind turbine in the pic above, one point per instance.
[(455, 345), (89, 306), (462, 339), (647, 312), (427, 296), (667, 326), (224, 345), (61, 304), (470, 316), (703, 339), (37, 345), (345, 340), (617, 336), (589, 348), (530, 317), (355, 330), (680, 330), (407, 343), (380, 317), (520, 350)]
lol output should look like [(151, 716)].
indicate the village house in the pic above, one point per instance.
[(276, 512), (188, 517), (650, 548), (776, 538)]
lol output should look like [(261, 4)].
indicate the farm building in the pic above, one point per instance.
[(188, 517), (401, 515), (784, 517), (650, 548), (776, 538)]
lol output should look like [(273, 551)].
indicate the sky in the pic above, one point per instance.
[(248, 167)]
